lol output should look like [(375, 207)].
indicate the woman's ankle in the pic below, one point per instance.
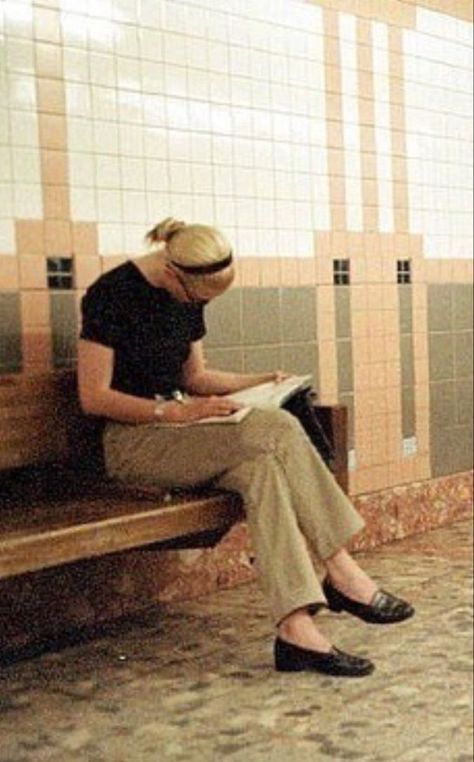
[(299, 629)]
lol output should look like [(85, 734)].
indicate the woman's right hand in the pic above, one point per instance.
[(196, 408)]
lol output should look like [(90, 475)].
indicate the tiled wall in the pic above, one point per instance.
[(311, 132)]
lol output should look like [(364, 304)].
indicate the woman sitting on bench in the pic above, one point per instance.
[(141, 343)]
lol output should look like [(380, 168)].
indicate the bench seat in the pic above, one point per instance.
[(40, 534), (60, 507)]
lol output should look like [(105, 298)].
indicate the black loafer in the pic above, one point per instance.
[(384, 607), (291, 658)]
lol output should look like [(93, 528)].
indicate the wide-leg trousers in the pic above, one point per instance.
[(294, 506)]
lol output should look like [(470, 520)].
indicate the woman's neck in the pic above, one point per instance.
[(152, 268)]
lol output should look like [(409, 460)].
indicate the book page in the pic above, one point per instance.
[(264, 396)]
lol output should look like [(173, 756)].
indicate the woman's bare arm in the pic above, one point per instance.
[(95, 370), (200, 380)]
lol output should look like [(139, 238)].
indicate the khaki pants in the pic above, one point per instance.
[(291, 499)]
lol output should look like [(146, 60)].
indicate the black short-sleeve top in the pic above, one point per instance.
[(149, 330)]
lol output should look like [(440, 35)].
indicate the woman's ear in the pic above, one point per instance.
[(175, 281)]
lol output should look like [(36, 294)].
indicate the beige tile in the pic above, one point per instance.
[(56, 202), (87, 269), (84, 239), (32, 270), (54, 167), (52, 131), (9, 278), (35, 308), (51, 95), (270, 272), (307, 272), (289, 271), (108, 263), (29, 237), (49, 61), (58, 237)]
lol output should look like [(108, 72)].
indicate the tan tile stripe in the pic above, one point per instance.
[(400, 13), (56, 234)]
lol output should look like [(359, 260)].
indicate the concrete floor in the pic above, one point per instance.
[(195, 681)]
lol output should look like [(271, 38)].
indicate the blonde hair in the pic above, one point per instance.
[(194, 246), (190, 245)]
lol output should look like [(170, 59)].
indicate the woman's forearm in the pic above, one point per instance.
[(118, 406)]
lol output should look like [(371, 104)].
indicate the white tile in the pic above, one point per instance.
[(218, 57), (7, 237), (244, 182), (74, 27), (82, 169), (109, 205), (104, 103), (133, 242), (26, 166), (222, 150), (181, 206), (224, 211), (79, 100), (130, 107), (127, 40), (156, 143), (153, 77), (151, 14), (132, 173), (197, 53), (201, 147), (102, 68), (76, 65), (180, 178), (20, 56), (179, 146), (176, 81), (106, 137), (24, 128), (130, 140), (202, 179), (203, 209), (157, 176), (154, 111), (18, 19), (100, 9), (134, 207), (177, 113), (111, 241), (6, 200), (83, 204), (223, 182), (151, 44), (128, 73), (100, 34), (21, 91), (28, 201), (107, 172)]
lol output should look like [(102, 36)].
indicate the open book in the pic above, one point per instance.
[(263, 396)]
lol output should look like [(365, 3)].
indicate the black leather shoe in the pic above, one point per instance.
[(384, 608), (291, 658)]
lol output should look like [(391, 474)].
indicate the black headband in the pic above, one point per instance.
[(215, 267)]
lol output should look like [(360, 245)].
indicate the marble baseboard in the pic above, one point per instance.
[(88, 595)]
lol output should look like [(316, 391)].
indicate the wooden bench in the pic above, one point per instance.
[(56, 504)]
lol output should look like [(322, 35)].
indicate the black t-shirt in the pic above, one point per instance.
[(149, 330)]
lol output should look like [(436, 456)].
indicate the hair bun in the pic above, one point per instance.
[(165, 230)]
